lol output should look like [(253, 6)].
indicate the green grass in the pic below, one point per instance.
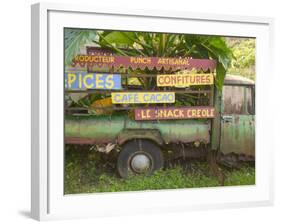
[(89, 172)]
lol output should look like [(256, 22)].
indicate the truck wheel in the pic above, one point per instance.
[(139, 157)]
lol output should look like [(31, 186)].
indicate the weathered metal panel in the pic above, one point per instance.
[(151, 134), (237, 80), (92, 130), (238, 135), (176, 131), (233, 99), (238, 120), (105, 129)]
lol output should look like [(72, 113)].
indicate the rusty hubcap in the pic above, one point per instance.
[(140, 163)]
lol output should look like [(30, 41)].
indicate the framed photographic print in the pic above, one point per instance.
[(148, 111)]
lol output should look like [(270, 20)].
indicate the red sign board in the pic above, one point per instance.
[(143, 62), (174, 113)]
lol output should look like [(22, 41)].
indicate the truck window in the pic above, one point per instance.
[(238, 99)]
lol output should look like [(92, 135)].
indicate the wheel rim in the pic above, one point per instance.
[(141, 163)]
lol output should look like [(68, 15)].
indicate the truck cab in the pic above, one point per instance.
[(238, 116)]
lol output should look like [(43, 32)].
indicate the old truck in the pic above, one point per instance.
[(144, 145)]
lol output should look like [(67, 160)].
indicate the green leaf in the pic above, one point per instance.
[(119, 38), (171, 45), (221, 72)]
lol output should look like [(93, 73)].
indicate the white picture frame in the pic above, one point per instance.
[(48, 201)]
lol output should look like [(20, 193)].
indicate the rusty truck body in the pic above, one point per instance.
[(143, 144)]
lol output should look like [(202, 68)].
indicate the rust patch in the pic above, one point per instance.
[(83, 141)]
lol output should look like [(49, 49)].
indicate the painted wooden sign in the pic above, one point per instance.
[(184, 80), (173, 113), (85, 80), (142, 97), (143, 62)]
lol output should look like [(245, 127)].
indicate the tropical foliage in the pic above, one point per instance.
[(170, 45), (244, 52), (154, 44), (74, 39), (234, 55)]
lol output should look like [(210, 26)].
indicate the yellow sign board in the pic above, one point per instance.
[(185, 80), (142, 97)]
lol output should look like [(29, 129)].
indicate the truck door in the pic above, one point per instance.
[(238, 120)]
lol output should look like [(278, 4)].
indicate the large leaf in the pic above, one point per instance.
[(221, 72), (118, 38), (74, 40), (171, 45)]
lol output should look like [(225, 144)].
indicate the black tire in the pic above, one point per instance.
[(139, 149)]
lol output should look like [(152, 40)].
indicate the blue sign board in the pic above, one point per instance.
[(84, 80)]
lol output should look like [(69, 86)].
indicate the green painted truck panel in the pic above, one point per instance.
[(109, 129), (238, 135), (238, 120)]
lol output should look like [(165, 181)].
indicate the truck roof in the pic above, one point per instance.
[(237, 79)]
